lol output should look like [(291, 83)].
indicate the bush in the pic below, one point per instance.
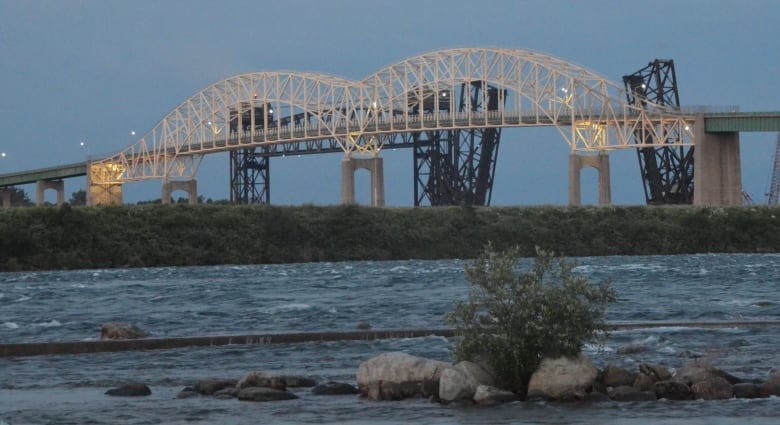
[(514, 320)]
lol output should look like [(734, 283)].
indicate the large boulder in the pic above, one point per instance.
[(655, 371), (698, 371), (394, 376), (715, 388), (116, 330), (615, 376), (563, 378), (460, 381)]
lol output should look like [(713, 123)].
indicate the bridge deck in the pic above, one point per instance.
[(713, 122)]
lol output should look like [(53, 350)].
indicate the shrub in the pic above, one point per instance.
[(514, 320)]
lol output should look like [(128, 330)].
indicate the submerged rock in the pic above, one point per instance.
[(335, 388), (264, 394), (115, 330), (130, 390)]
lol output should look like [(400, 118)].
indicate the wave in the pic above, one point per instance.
[(23, 298), (286, 307), (51, 324), (10, 325)]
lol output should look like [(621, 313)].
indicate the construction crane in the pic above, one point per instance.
[(774, 187)]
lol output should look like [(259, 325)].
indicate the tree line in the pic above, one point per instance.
[(70, 237)]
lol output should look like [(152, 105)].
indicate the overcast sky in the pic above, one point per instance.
[(92, 71)]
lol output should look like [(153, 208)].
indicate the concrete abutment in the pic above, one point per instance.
[(718, 178)]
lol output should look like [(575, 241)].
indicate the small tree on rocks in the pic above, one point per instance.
[(513, 320)]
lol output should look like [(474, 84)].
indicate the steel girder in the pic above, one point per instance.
[(667, 171)]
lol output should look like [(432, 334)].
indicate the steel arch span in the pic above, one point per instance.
[(294, 111)]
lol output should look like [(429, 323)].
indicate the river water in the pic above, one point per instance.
[(195, 301)]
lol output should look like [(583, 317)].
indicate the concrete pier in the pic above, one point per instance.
[(5, 196), (43, 185), (375, 166), (189, 186), (718, 179), (601, 163)]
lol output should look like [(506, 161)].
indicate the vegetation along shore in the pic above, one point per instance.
[(67, 237)]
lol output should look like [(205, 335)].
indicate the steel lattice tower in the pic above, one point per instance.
[(249, 177), (667, 172), (456, 167), (774, 188)]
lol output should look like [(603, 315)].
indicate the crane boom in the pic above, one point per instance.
[(774, 188)]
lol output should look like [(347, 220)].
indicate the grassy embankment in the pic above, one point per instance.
[(155, 235)]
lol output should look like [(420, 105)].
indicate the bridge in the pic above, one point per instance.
[(449, 106)]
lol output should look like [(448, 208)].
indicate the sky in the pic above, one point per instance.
[(93, 71)]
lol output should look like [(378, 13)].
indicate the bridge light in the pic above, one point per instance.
[(563, 89), (208, 123), (132, 133), (687, 127), (2, 154)]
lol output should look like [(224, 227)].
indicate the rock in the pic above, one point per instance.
[(688, 354), (643, 383), (655, 371), (130, 390), (698, 371), (715, 388), (264, 394), (627, 393), (772, 385), (631, 349), (210, 386), (394, 376), (115, 330), (615, 376), (563, 378), (261, 379), (673, 390), (460, 381), (596, 397), (746, 390), (335, 388), (294, 381), (226, 393), (188, 392), (485, 395)]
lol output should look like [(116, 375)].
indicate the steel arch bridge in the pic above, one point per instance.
[(448, 96)]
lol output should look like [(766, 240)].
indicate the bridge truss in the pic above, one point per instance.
[(455, 140)]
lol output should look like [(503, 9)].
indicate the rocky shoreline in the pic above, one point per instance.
[(396, 376)]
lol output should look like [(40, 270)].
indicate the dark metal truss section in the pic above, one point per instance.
[(250, 177), (456, 167), (667, 172)]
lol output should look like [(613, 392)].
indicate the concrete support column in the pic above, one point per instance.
[(5, 196), (718, 178), (189, 186), (375, 166), (43, 185), (601, 163)]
